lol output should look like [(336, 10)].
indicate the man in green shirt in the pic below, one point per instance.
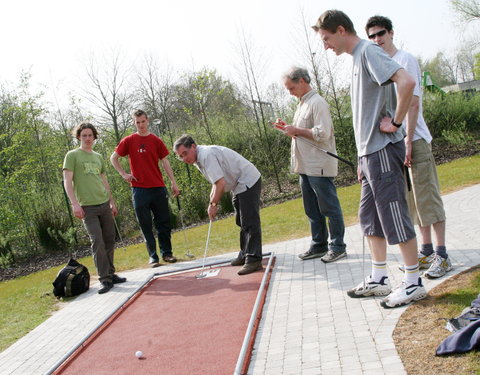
[(88, 190)]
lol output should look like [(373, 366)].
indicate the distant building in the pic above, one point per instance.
[(470, 87)]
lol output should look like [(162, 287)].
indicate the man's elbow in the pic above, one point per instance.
[(113, 157)]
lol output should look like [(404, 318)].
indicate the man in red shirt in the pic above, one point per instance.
[(150, 195)]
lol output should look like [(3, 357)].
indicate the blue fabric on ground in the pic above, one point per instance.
[(462, 341), (476, 302)]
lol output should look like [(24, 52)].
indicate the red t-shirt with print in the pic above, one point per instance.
[(144, 153)]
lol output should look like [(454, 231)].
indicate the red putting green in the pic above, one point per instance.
[(181, 324)]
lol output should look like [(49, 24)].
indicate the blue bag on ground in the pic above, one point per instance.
[(462, 341), (466, 331)]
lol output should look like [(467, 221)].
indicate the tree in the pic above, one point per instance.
[(259, 106), (110, 95), (476, 68), (157, 93), (467, 10), (441, 68)]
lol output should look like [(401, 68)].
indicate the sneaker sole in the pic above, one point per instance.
[(352, 294), (342, 255), (416, 298), (319, 255), (249, 272), (428, 276)]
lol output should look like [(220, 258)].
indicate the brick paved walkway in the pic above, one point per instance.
[(309, 324)]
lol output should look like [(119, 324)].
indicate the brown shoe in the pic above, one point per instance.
[(169, 259), (155, 265), (237, 262), (250, 267)]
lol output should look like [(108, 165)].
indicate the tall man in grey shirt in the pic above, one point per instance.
[(228, 171), (383, 208)]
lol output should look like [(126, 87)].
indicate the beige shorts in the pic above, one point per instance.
[(424, 200)]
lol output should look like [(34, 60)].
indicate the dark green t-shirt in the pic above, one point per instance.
[(87, 183)]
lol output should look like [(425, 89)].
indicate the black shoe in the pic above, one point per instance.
[(250, 267), (237, 262), (312, 253), (169, 259), (106, 286), (118, 280)]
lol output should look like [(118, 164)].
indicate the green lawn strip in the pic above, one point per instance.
[(24, 302)]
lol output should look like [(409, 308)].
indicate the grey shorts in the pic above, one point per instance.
[(424, 200), (383, 208)]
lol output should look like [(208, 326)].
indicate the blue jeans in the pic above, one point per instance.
[(320, 201), (148, 201)]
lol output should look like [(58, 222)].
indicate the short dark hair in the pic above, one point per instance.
[(185, 140), (379, 21), (84, 125), (295, 73), (140, 112), (331, 19)]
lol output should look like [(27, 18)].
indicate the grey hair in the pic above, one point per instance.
[(295, 73), (185, 140)]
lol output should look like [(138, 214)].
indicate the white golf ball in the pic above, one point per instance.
[(139, 354)]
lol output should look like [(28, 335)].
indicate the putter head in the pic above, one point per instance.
[(189, 255), (209, 273)]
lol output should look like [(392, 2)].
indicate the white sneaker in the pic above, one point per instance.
[(368, 288), (439, 267), (404, 294), (424, 262)]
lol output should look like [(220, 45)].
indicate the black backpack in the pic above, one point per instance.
[(73, 279)]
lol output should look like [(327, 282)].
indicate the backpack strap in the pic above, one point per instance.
[(70, 277)]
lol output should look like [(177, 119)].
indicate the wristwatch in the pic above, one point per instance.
[(213, 204), (395, 124)]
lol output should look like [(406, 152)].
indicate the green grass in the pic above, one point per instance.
[(27, 301)]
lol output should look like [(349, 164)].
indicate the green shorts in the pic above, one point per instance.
[(424, 200)]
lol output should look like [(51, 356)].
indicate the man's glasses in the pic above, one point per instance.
[(380, 33)]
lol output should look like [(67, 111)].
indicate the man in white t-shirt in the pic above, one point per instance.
[(425, 202)]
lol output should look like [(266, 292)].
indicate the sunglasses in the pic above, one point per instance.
[(380, 33)]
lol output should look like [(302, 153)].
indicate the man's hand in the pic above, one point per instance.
[(128, 177), (386, 125), (280, 124), (212, 211), (78, 211), (175, 190), (290, 130), (408, 153), (359, 174), (114, 209)]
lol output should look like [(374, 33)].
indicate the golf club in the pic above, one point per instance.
[(188, 253), (363, 259), (201, 275), (119, 234), (280, 127)]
